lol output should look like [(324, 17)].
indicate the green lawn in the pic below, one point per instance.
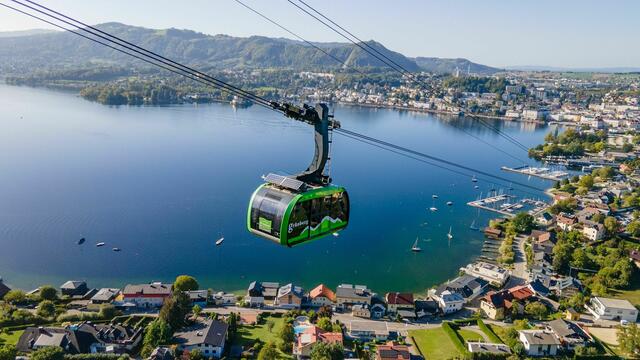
[(435, 344), (632, 295), (247, 334), (10, 337), (469, 335)]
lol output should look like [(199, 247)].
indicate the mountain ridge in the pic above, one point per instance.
[(217, 51)]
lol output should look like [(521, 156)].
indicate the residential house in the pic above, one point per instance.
[(391, 351), (492, 233), (545, 219), (399, 301), (361, 310), (425, 308), (289, 297), (198, 297), (566, 222), (494, 274), (592, 230), (489, 348), (539, 342), (208, 337), (74, 288), (450, 302), (366, 330), (161, 353), (322, 296), (377, 310), (105, 296), (348, 295), (500, 304), (634, 255), (83, 338), (571, 314), (569, 333), (311, 336), (222, 298), (612, 309), (469, 287), (4, 289), (147, 295)]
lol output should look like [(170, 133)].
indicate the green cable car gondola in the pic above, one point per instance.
[(292, 210)]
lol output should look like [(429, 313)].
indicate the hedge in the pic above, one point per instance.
[(485, 329), (464, 321), (456, 339), (94, 357)]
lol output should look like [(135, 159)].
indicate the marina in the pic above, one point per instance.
[(507, 205), (541, 172)]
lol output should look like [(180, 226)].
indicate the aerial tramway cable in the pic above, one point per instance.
[(180, 69)]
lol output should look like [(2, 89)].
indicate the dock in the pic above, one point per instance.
[(543, 173), (504, 204), (492, 203)]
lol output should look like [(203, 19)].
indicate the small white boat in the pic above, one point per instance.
[(434, 196), (449, 203), (473, 179), (476, 187), (219, 241), (449, 235), (335, 234), (100, 244), (433, 209), (415, 247), (116, 249)]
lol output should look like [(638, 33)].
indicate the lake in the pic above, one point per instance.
[(163, 183)]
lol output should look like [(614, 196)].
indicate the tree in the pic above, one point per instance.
[(46, 309), (233, 320), (48, 292), (633, 228), (15, 297), (196, 310), (156, 333), (108, 311), (185, 283), (629, 339), (196, 354), (268, 352), (611, 224), (48, 353), (536, 309), (523, 222), (586, 181), (287, 336), (324, 324), (8, 352), (175, 309), (325, 351), (627, 148), (270, 325)]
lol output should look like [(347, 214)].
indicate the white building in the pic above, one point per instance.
[(539, 342), (209, 337), (593, 231), (494, 274), (612, 309), (450, 302)]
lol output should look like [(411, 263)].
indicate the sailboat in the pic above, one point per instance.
[(473, 179), (415, 247), (449, 235), (433, 207), (473, 226), (434, 196)]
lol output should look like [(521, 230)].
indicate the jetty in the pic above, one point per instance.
[(540, 172), (506, 205)]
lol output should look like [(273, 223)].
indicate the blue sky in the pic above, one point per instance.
[(563, 33)]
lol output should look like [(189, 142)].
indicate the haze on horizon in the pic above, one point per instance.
[(564, 34)]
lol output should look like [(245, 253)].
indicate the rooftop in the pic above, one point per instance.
[(616, 303), (539, 337), (210, 332)]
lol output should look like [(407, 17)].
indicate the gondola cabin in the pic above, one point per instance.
[(291, 212)]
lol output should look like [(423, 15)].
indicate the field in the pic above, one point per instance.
[(10, 337), (435, 344), (632, 295), (469, 335)]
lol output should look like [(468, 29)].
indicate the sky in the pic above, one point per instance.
[(559, 33)]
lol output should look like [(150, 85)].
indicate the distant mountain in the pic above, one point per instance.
[(441, 66), (35, 50), (569, 69), (4, 34)]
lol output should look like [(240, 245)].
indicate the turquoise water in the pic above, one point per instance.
[(163, 183)]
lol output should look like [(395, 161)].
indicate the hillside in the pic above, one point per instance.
[(441, 66), (58, 49)]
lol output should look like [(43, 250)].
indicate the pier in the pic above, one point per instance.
[(543, 173), (501, 204)]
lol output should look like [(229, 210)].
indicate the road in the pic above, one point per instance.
[(519, 274)]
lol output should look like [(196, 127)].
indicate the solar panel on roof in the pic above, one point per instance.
[(284, 181)]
